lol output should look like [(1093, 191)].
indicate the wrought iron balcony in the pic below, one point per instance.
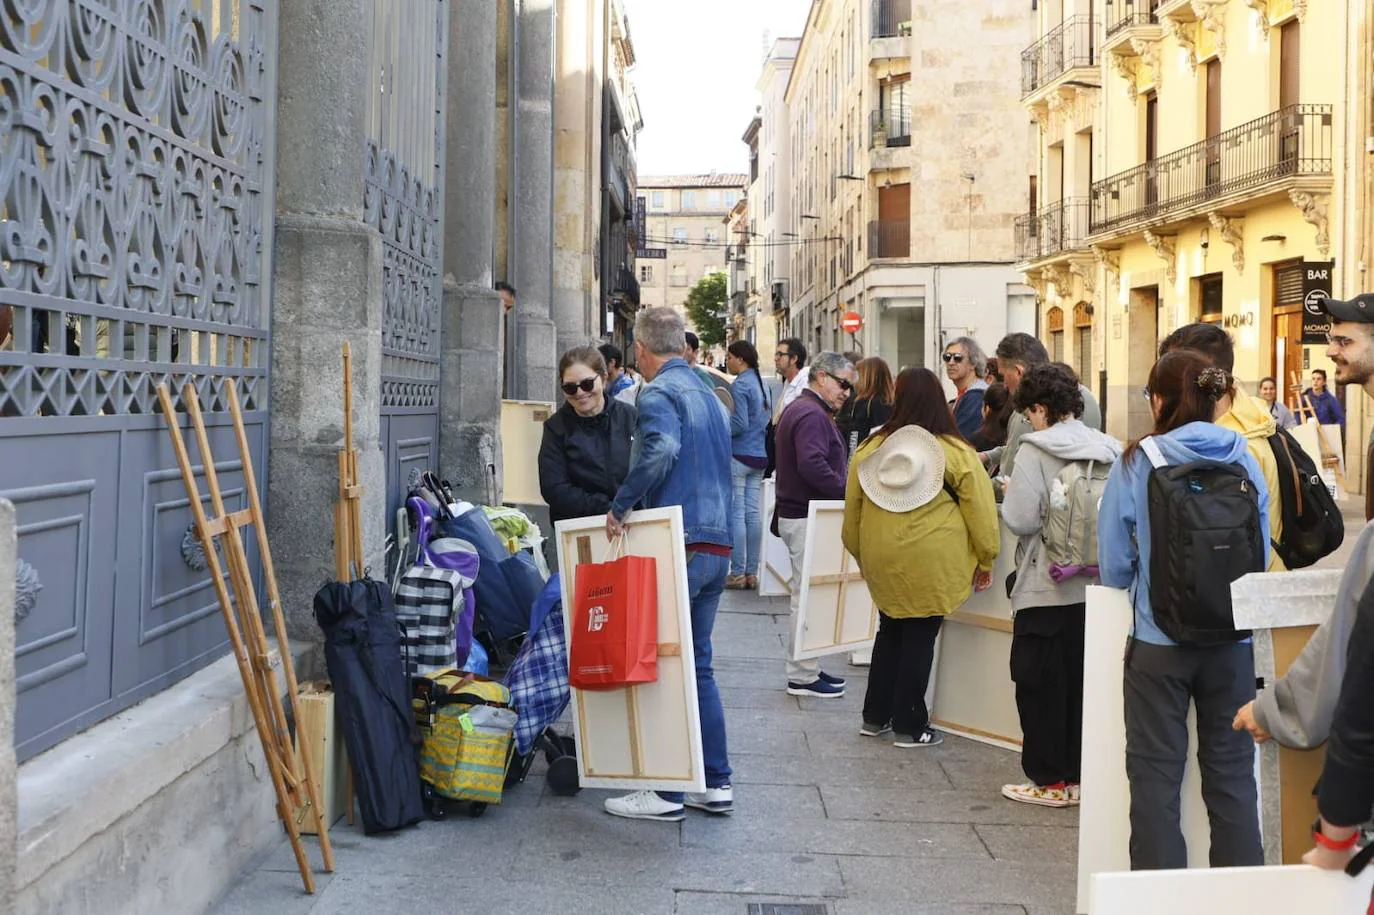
[(891, 18), (1057, 229), (1068, 46), (1292, 142), (889, 238), (627, 285), (1122, 14), (889, 127)]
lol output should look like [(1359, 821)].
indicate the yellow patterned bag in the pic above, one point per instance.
[(467, 742)]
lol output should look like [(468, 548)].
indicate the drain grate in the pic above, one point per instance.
[(788, 908)]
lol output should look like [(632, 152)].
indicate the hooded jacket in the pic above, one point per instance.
[(1297, 708), (1250, 417), (1027, 502), (1123, 518), (920, 563)]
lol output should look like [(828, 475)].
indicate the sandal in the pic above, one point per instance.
[(751, 582), (736, 583)]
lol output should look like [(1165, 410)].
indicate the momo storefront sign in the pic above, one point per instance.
[(1316, 285)]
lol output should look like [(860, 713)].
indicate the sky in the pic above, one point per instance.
[(696, 66)]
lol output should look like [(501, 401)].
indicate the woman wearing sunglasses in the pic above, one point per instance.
[(585, 453)]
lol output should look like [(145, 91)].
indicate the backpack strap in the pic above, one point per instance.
[(1152, 452)]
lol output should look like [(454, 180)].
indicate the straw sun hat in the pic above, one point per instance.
[(905, 472)]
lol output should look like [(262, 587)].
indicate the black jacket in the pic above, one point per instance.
[(584, 459), (862, 416), (1346, 793)]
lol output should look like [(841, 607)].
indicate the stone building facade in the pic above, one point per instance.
[(685, 232)]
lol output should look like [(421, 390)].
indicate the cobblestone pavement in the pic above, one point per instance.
[(822, 816)]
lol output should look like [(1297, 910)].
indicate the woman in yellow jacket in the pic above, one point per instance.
[(921, 521)]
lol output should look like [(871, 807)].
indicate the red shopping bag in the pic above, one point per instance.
[(614, 624)]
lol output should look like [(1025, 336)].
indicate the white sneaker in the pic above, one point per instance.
[(645, 805), (712, 800)]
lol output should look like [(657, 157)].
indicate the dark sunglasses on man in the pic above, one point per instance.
[(586, 385), (845, 384), (952, 357)]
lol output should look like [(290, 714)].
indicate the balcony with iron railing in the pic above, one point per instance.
[(1126, 19), (891, 18), (1265, 157), (1059, 229), (619, 165), (889, 238), (1069, 46), (889, 127)]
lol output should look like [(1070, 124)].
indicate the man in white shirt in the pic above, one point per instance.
[(790, 361)]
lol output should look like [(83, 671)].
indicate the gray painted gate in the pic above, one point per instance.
[(135, 181), (404, 203)]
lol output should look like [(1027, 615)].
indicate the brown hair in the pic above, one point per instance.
[(920, 401), (588, 355), (1188, 386), (875, 380)]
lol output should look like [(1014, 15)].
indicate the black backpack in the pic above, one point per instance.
[(1205, 532), (1312, 523)]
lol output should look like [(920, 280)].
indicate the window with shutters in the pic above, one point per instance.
[(1083, 342), (1054, 320)]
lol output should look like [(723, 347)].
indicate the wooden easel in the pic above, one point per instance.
[(297, 794), (348, 511), (1330, 459)]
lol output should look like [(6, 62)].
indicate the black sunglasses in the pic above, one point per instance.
[(953, 357), (845, 385), (586, 384)]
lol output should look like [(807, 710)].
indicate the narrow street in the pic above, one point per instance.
[(822, 816)]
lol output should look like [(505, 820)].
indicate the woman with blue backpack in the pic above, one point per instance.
[(1185, 513), (1051, 505)]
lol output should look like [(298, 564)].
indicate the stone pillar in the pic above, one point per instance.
[(536, 343), (327, 290), (472, 358), (9, 804)]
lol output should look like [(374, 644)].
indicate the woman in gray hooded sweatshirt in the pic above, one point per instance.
[(1048, 594)]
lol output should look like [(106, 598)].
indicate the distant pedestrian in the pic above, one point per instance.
[(1323, 404), (1048, 600), (997, 410), (790, 361), (1269, 393), (921, 521), (682, 457), (811, 463), (693, 356), (965, 364), (585, 452), (871, 404), (748, 426), (507, 294), (621, 380)]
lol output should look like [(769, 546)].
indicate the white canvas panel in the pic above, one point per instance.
[(522, 431), (775, 563), (835, 612), (1291, 890), (974, 695), (645, 736), (1104, 829)]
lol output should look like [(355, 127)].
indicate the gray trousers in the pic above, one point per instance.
[(1160, 680)]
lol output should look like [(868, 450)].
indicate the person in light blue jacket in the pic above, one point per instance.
[(1161, 677), (748, 429)]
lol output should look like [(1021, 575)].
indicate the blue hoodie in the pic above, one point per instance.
[(1124, 557)]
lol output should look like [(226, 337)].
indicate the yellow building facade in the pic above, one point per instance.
[(1191, 163)]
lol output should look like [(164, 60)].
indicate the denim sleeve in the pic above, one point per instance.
[(742, 397), (1117, 553), (659, 431)]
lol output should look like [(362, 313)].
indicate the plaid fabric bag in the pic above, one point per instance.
[(428, 603)]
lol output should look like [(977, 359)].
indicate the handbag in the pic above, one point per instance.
[(614, 627), (467, 725)]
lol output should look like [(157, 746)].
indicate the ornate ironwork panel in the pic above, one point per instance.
[(135, 206), (404, 203)]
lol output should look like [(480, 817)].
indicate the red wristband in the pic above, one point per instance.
[(1327, 842)]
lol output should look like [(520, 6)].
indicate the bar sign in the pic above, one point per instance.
[(1316, 285)]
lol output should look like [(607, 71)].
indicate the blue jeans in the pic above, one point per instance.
[(705, 584), (745, 528)]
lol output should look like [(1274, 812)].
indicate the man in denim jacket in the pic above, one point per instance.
[(681, 456)]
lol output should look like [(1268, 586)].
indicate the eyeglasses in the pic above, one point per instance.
[(1338, 341), (845, 384), (953, 357), (782, 355), (585, 386)]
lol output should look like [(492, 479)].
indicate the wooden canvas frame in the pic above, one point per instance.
[(775, 562), (646, 736), (835, 612), (522, 432)]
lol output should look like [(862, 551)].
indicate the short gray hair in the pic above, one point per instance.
[(829, 363), (661, 331), (976, 357)]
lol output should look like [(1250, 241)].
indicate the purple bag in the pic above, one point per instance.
[(452, 555)]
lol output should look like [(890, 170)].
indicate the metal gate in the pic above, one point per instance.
[(405, 204), (135, 223)]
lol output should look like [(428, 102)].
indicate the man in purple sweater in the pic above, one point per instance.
[(812, 465)]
